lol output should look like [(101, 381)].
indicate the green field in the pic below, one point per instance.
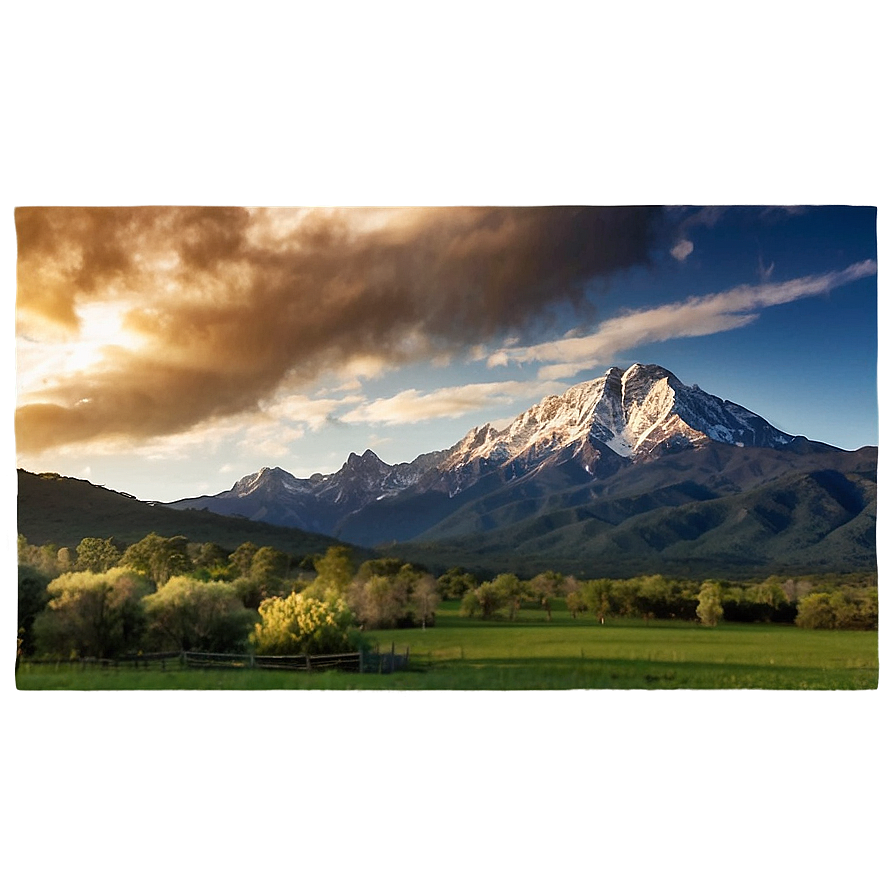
[(532, 653)]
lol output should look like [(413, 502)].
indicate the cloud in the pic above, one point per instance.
[(313, 413), (225, 305), (681, 250), (696, 316), (412, 405)]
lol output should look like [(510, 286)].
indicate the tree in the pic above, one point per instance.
[(335, 569), (268, 569), (44, 558), (92, 614), (33, 598), (303, 623), (212, 559), (840, 609), (159, 558), (187, 614), (575, 602), (65, 560), (549, 586), (390, 594), (510, 592), (378, 601), (505, 590), (455, 584), (97, 554), (426, 599), (241, 559), (597, 595), (709, 603)]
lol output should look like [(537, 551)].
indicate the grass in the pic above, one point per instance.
[(533, 654)]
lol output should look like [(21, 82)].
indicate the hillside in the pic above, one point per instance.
[(61, 510)]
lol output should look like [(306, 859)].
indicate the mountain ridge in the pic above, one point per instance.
[(614, 449)]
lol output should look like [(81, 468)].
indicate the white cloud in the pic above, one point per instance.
[(696, 316), (412, 405), (681, 250), (310, 412)]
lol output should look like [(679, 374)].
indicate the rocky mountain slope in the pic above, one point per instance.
[(631, 451)]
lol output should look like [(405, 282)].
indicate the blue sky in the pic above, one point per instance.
[(207, 345)]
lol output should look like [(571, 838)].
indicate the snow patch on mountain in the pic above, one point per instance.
[(632, 412), (623, 416)]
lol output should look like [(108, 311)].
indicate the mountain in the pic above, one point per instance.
[(588, 479), (60, 510)]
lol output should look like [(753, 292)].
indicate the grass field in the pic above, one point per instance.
[(532, 653)]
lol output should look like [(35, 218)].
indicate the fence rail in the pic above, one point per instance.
[(362, 661)]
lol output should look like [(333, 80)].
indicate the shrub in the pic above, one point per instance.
[(839, 610), (311, 622)]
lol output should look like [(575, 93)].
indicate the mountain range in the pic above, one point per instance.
[(629, 473)]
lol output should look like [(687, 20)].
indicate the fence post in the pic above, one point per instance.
[(307, 662), (360, 659)]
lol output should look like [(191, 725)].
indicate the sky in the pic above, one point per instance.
[(167, 351)]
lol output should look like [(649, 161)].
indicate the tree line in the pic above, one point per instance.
[(169, 594), (166, 593)]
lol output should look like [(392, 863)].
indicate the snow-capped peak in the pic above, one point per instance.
[(631, 412)]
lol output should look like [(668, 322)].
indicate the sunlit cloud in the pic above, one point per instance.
[(414, 405), (224, 306), (681, 250)]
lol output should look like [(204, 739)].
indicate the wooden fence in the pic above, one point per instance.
[(363, 661)]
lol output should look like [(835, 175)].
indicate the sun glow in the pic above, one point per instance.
[(43, 362)]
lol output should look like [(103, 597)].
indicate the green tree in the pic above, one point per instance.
[(92, 614), (44, 558), (575, 602), (159, 558), (550, 586), (65, 560), (212, 559), (597, 595), (241, 559), (187, 614), (489, 598), (97, 554), (268, 569), (840, 609), (33, 598), (709, 603), (455, 584), (336, 568)]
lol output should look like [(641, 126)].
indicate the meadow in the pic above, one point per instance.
[(532, 653)]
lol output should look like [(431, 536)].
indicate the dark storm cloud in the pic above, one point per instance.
[(230, 302)]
